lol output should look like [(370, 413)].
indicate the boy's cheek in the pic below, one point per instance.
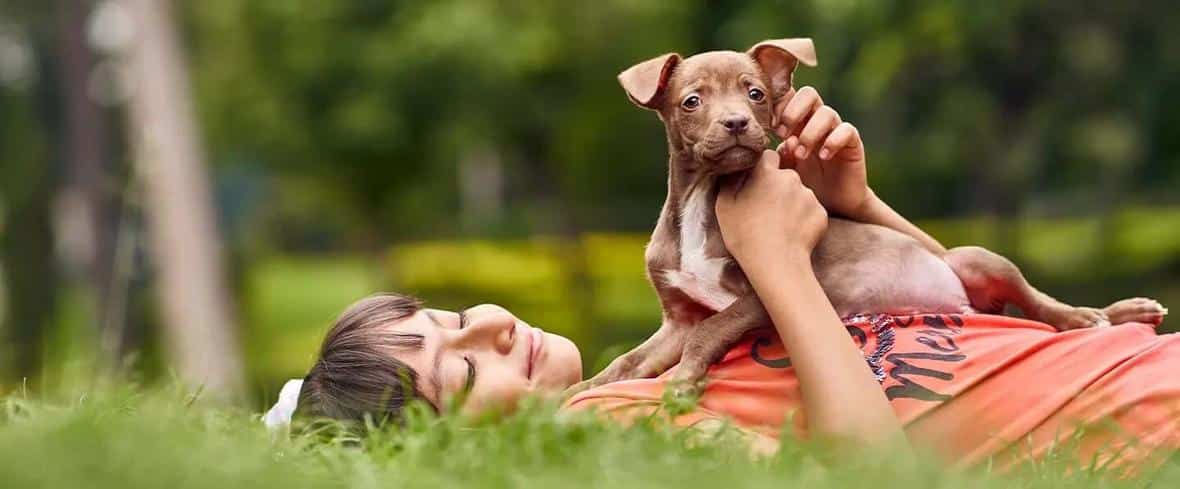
[(499, 394)]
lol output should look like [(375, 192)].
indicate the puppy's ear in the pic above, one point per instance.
[(779, 57), (646, 81)]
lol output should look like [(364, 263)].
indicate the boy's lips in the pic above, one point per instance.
[(536, 340)]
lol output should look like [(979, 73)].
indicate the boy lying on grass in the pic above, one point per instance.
[(974, 387)]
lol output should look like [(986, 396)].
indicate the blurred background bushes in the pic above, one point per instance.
[(474, 151)]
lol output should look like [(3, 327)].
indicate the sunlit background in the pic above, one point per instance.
[(279, 159)]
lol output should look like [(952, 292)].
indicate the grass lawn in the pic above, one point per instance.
[(126, 438)]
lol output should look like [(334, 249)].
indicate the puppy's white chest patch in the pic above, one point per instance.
[(699, 275)]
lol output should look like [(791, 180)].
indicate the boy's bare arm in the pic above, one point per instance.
[(876, 211), (771, 224)]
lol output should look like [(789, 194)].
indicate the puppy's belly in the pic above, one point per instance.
[(872, 269)]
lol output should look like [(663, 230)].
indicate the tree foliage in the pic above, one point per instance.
[(967, 107)]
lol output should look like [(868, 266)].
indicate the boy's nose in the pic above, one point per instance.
[(492, 327)]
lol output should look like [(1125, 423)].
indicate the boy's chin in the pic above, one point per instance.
[(564, 365)]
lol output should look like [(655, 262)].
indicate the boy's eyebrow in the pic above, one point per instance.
[(436, 371)]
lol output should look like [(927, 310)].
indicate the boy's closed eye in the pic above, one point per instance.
[(470, 381)]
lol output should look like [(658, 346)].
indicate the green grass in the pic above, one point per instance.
[(126, 438)]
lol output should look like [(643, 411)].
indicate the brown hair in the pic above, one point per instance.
[(356, 374)]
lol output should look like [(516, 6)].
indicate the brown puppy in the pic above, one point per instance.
[(717, 109)]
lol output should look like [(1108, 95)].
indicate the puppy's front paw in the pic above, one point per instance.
[(605, 377), (646, 361), (681, 395), (687, 383), (623, 368)]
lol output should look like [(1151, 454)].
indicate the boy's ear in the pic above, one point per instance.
[(779, 57), (646, 81)]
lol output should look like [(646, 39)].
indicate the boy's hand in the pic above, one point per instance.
[(767, 215), (827, 152)]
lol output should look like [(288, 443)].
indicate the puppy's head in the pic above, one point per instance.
[(717, 106)]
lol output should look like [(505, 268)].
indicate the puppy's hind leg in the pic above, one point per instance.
[(991, 281), (1136, 310)]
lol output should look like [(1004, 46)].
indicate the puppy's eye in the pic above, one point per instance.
[(691, 102), (756, 94)]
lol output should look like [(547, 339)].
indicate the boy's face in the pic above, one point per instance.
[(488, 353)]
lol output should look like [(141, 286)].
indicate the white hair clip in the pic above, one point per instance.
[(280, 414)]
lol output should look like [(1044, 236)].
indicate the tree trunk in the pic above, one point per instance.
[(88, 202), (199, 328)]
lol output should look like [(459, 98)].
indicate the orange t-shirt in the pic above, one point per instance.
[(974, 386)]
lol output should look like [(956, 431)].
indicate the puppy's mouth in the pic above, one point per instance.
[(732, 158), (733, 150)]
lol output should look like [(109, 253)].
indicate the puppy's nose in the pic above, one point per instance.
[(736, 124)]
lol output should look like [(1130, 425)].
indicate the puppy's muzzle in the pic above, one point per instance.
[(736, 124)]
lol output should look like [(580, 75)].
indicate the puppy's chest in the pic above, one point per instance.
[(703, 259)]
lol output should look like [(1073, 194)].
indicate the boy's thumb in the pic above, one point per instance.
[(769, 161)]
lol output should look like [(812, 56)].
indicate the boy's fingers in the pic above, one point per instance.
[(781, 104), (769, 162), (841, 137), (776, 114), (786, 152), (782, 131), (818, 128), (794, 149), (799, 108), (783, 149)]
